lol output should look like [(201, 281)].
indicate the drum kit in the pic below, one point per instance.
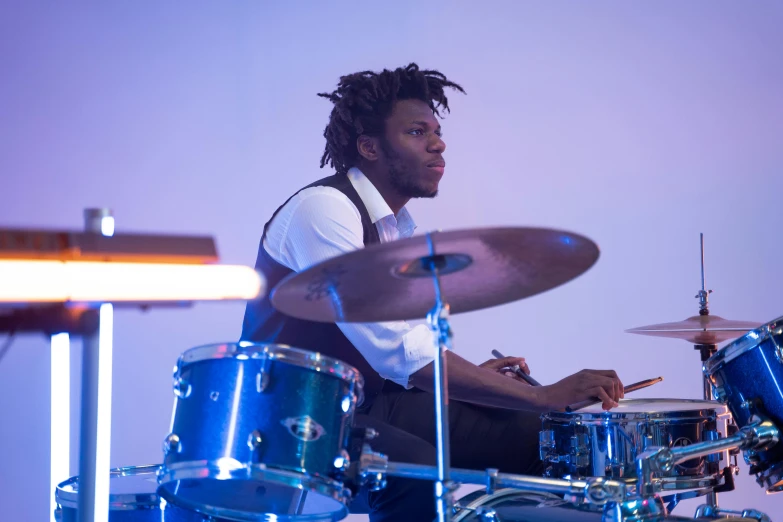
[(265, 432)]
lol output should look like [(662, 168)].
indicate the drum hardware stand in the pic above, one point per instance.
[(595, 491), (706, 351), (759, 435), (438, 319)]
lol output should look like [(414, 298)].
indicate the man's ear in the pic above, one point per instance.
[(367, 147)]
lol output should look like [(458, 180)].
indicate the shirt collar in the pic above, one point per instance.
[(376, 206)]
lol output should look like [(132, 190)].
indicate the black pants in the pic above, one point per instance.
[(480, 438)]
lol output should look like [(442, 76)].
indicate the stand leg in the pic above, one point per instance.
[(707, 350), (95, 437), (438, 319), (443, 501), (88, 433)]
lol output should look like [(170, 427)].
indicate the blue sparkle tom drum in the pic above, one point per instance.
[(747, 376), (260, 431)]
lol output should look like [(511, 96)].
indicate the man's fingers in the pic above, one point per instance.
[(607, 402), (503, 362)]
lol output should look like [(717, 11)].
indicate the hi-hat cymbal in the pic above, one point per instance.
[(699, 329), (479, 268)]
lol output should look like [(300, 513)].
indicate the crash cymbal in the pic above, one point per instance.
[(699, 329), (479, 268)]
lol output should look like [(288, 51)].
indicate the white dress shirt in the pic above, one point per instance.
[(320, 223)]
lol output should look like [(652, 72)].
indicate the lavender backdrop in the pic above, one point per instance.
[(637, 124)]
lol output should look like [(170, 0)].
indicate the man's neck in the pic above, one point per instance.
[(392, 197)]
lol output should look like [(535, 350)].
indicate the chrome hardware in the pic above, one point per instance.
[(492, 480), (372, 468), (370, 434), (214, 395), (546, 446), (347, 404), (600, 491), (719, 393), (182, 388), (705, 511), (342, 461), (580, 450), (487, 514), (171, 444), (254, 440), (262, 377), (709, 435), (649, 508)]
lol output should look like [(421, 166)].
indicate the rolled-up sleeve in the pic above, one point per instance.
[(319, 225)]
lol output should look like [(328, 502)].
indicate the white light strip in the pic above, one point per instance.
[(102, 462), (90, 281), (60, 422)]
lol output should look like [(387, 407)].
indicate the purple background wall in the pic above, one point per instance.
[(638, 125)]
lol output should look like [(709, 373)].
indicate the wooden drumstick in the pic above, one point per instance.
[(627, 389)]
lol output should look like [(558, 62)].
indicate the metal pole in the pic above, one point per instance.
[(706, 351), (438, 320), (60, 415), (94, 467)]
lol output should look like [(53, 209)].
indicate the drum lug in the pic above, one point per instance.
[(348, 403), (171, 444), (262, 377), (254, 440), (374, 480), (778, 351), (182, 388), (719, 393), (342, 461), (580, 452), (546, 446), (492, 480)]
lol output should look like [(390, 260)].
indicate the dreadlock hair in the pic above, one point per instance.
[(364, 100)]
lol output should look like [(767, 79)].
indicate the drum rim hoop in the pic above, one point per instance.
[(276, 352), (716, 410), (66, 496), (189, 470), (744, 344)]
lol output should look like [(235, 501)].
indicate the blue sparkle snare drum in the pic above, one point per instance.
[(747, 376), (132, 498), (260, 431)]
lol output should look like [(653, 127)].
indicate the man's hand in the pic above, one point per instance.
[(581, 386), (505, 366)]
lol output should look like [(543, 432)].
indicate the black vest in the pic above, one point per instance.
[(264, 324)]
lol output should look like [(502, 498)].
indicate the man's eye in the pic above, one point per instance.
[(417, 132)]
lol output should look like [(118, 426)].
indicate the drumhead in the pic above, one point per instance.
[(129, 488), (648, 409), (274, 352)]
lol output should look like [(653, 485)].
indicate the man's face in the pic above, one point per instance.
[(412, 149)]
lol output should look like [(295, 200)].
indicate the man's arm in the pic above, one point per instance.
[(323, 224), (470, 383)]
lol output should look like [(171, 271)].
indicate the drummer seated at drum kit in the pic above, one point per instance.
[(385, 143)]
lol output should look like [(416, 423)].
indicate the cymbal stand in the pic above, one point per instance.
[(438, 319), (706, 351)]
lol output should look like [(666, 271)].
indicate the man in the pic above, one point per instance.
[(385, 143)]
